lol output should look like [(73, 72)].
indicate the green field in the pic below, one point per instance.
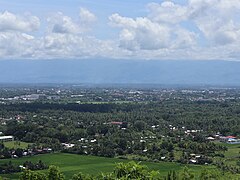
[(71, 164), (16, 144), (233, 154)]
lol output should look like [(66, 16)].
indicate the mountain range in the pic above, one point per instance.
[(108, 71)]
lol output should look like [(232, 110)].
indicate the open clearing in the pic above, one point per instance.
[(16, 144)]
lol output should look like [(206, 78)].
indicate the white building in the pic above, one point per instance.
[(6, 138)]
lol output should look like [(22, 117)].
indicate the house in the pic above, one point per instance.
[(67, 146), (93, 140), (6, 138), (119, 124), (233, 141), (230, 139), (193, 161), (210, 138), (116, 123)]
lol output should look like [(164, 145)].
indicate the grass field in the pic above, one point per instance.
[(16, 144), (233, 151), (71, 164), (233, 154)]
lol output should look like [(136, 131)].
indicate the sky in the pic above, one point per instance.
[(126, 29)]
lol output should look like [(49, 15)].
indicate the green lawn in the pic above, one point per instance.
[(16, 144), (231, 155), (71, 164), (233, 151)]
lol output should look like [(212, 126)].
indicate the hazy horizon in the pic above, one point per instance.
[(104, 71)]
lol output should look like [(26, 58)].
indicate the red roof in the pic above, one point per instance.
[(232, 137), (117, 123)]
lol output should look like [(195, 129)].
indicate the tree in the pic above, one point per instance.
[(54, 173), (26, 175), (186, 174), (140, 125), (122, 143), (171, 156), (172, 175), (39, 176), (167, 145), (19, 152), (209, 175), (133, 170), (81, 176), (30, 175), (1, 145)]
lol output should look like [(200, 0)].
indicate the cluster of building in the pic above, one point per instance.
[(25, 152), (229, 139), (32, 97), (224, 139)]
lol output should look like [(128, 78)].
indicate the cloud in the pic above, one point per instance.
[(143, 33), (15, 41), (197, 29), (12, 22), (167, 12), (190, 30), (75, 46), (17, 44), (216, 19), (60, 23), (64, 37), (86, 17)]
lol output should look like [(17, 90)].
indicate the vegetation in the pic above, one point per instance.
[(150, 125), (16, 144), (9, 167), (127, 171), (71, 164)]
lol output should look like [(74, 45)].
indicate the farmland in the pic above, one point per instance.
[(71, 164)]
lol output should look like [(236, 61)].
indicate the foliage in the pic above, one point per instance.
[(186, 174), (155, 125), (30, 175), (8, 168), (54, 173), (81, 176)]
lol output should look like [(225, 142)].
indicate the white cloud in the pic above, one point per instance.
[(195, 30), (86, 17), (60, 23), (143, 33), (12, 22), (216, 19), (75, 46), (17, 44), (14, 40), (198, 29), (167, 12), (64, 38)]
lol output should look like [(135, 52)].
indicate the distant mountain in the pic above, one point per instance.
[(120, 71)]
